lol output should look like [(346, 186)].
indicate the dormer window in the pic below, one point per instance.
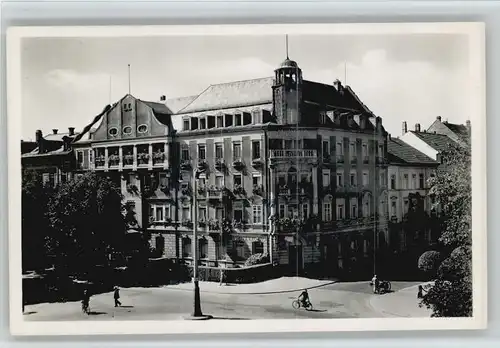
[(220, 121), (203, 123), (185, 124), (237, 120)]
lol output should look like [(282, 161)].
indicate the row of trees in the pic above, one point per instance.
[(451, 294), (75, 226)]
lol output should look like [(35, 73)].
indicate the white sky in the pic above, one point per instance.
[(413, 78)]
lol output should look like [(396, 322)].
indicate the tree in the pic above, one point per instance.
[(451, 295), (34, 221), (86, 223), (429, 261)]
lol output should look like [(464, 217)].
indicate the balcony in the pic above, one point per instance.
[(215, 192), (326, 158), (202, 164), (258, 190), (257, 162), (158, 158), (100, 161), (143, 159), (239, 190), (202, 192), (185, 164), (238, 163), (292, 154), (340, 158), (290, 224), (128, 159), (366, 159), (354, 159), (219, 164), (381, 160), (113, 160)]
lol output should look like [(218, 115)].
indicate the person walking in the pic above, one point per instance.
[(117, 297)]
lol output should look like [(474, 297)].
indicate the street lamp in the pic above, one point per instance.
[(197, 305)]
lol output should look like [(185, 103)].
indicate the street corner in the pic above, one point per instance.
[(403, 303)]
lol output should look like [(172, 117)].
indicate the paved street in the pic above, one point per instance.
[(340, 300)]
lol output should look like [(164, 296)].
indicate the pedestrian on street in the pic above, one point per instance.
[(420, 293), (117, 297)]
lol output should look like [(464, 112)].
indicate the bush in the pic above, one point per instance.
[(256, 259), (429, 261)]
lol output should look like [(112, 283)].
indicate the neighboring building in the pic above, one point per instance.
[(51, 156), (456, 132), (431, 144), (409, 173)]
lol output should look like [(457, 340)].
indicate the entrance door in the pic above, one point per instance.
[(295, 259)]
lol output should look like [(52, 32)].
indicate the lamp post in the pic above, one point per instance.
[(197, 305)]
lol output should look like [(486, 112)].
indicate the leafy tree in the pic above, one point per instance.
[(86, 223), (34, 222), (429, 261), (451, 294)]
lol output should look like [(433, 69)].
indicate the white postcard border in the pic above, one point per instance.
[(476, 85)]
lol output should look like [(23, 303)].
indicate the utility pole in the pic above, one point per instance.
[(197, 302)]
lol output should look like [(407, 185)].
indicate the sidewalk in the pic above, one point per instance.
[(274, 286), (402, 303)]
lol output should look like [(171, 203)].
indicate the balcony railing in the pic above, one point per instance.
[(366, 159), (293, 153), (354, 159), (340, 158), (215, 192)]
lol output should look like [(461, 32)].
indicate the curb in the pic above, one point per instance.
[(255, 293)]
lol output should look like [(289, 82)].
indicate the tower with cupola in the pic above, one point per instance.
[(287, 92)]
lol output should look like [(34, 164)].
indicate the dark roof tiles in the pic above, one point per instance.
[(401, 152)]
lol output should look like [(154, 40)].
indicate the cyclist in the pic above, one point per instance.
[(86, 301), (304, 298)]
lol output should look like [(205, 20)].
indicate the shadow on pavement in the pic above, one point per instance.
[(227, 318), (97, 313), (317, 310), (28, 313), (127, 306)]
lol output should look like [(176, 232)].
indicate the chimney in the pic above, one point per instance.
[(417, 127), (54, 131), (338, 85), (362, 121), (39, 140), (163, 98), (66, 143), (467, 124), (438, 118), (389, 135), (405, 128), (71, 131)]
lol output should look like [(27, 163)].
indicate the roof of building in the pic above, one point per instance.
[(288, 63), (59, 136), (440, 142), (176, 104), (58, 151), (158, 108), (231, 95), (458, 129), (401, 152)]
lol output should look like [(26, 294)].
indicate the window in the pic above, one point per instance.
[(327, 212), (163, 179), (305, 211), (326, 149), (113, 131), (236, 151), (132, 179), (340, 150), (218, 151), (421, 181), (203, 123), (257, 214), (326, 179), (282, 211), (219, 181), (236, 180), (186, 247), (340, 211), (365, 179), (186, 214), (256, 180), (352, 179), (202, 214), (257, 247), (393, 182), (203, 247), (202, 152), (79, 157), (185, 124), (142, 128), (239, 248), (257, 116), (167, 212), (159, 213), (45, 178), (405, 181), (238, 215), (127, 130), (281, 180), (352, 149), (366, 208), (393, 208), (185, 153), (340, 179), (365, 150), (220, 121), (414, 181), (255, 149), (354, 210), (219, 213), (237, 120), (381, 151), (382, 178), (406, 206)]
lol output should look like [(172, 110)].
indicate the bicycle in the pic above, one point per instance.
[(383, 287), (297, 304), (85, 308)]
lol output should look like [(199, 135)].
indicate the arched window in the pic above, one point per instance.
[(186, 247), (257, 247)]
